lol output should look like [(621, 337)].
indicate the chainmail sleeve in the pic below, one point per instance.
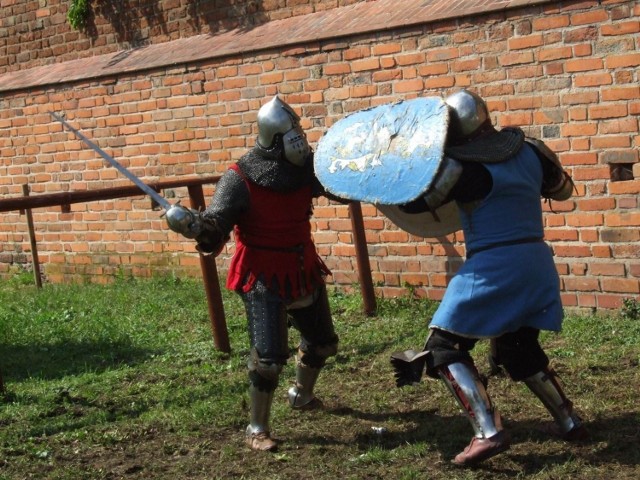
[(230, 201)]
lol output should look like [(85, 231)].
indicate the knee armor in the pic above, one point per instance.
[(318, 338), (263, 374)]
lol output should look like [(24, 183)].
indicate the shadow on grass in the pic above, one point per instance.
[(613, 439), (56, 360), (445, 433)]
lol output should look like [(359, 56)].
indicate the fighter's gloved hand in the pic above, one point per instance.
[(185, 221), (408, 367), (559, 187), (211, 241)]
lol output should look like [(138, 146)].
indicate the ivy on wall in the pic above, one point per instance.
[(78, 13)]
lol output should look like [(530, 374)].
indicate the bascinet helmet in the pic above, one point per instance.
[(472, 137), (467, 114), (277, 119)]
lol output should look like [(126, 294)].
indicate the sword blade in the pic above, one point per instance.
[(113, 162)]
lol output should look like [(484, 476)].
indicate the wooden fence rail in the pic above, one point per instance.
[(207, 262)]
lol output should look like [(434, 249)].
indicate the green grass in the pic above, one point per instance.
[(123, 381)]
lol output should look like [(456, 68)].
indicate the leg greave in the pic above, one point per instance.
[(302, 393), (261, 401), (463, 381), (263, 380), (546, 387)]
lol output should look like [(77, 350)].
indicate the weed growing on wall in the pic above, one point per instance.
[(78, 13)]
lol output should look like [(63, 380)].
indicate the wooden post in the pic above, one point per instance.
[(32, 239), (362, 258), (211, 283)]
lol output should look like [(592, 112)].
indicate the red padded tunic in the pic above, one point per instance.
[(274, 239)]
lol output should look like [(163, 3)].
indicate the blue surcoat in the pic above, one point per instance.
[(509, 279)]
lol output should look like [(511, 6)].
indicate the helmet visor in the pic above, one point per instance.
[(296, 147)]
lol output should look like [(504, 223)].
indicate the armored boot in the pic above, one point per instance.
[(301, 395), (258, 436), (463, 381), (546, 387)]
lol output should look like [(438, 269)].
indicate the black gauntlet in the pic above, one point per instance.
[(212, 239)]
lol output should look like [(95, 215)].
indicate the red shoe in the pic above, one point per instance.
[(481, 449)]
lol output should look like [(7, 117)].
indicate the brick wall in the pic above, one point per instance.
[(37, 32), (567, 72)]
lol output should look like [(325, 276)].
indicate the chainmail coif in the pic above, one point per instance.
[(273, 171)]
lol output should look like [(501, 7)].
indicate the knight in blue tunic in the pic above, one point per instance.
[(508, 288)]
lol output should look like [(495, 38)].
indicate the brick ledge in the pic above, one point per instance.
[(371, 16)]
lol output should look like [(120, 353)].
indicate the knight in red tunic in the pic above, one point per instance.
[(266, 199)]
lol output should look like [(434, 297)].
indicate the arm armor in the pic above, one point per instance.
[(230, 200), (556, 182), (439, 191), (447, 177)]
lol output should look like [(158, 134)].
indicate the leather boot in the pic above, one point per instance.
[(481, 449)]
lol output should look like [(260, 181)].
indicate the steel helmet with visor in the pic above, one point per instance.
[(277, 118)]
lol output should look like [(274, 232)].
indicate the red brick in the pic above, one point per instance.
[(609, 302), (622, 61), (591, 80), (336, 69), (622, 219), (357, 53), (621, 285), (547, 54), (585, 18), (410, 59), (438, 55), (409, 86), (584, 65), (607, 111), (582, 284), (620, 28), (550, 22), (577, 129), (518, 43), (620, 93), (516, 58), (386, 49), (363, 65)]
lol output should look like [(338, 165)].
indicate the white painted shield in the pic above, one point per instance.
[(384, 155)]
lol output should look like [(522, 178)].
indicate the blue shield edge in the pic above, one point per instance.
[(426, 225), (387, 154)]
